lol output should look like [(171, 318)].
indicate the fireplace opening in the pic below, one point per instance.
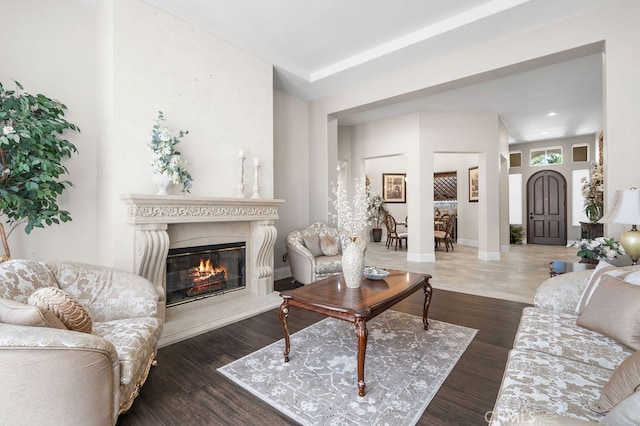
[(195, 273)]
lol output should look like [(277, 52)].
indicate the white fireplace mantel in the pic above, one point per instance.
[(152, 215)]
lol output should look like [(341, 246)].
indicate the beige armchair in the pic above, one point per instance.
[(307, 260), (53, 375)]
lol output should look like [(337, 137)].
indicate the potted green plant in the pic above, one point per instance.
[(592, 191), (377, 210), (31, 153), (516, 234)]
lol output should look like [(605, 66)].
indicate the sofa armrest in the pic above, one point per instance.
[(301, 261), (52, 376), (108, 293), (562, 293)]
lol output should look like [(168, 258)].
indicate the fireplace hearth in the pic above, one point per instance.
[(194, 273), (165, 222)]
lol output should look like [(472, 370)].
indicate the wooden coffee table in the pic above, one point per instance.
[(332, 298)]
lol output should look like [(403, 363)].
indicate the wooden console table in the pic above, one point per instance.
[(332, 298)]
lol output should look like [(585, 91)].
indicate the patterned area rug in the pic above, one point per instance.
[(404, 368)]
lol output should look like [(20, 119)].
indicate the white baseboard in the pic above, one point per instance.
[(421, 257), (486, 255)]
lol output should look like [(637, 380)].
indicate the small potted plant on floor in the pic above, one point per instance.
[(377, 210)]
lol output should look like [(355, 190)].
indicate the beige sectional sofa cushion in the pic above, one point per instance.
[(542, 383), (559, 335)]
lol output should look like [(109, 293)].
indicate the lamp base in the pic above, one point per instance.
[(630, 240)]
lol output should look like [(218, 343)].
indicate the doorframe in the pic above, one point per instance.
[(566, 190)]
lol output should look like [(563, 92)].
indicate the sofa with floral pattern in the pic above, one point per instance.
[(54, 374), (558, 371)]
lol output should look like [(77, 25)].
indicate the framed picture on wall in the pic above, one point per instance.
[(473, 185), (394, 187)]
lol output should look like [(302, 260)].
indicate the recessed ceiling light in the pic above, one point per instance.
[(552, 113)]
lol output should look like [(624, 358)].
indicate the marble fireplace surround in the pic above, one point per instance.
[(170, 221)]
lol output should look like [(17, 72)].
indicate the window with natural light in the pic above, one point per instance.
[(546, 156), (515, 199), (515, 159), (577, 200)]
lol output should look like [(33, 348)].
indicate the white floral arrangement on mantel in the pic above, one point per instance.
[(166, 158), (351, 216)]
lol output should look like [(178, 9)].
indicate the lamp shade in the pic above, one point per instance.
[(625, 208)]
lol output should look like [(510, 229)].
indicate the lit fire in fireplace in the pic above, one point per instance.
[(205, 278)]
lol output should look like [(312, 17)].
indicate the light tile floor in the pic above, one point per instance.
[(514, 277)]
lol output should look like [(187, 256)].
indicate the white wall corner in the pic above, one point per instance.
[(505, 248)]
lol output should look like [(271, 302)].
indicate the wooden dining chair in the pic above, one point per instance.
[(445, 235), (392, 233)]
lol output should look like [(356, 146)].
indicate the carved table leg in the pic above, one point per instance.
[(284, 313), (361, 333), (428, 292)]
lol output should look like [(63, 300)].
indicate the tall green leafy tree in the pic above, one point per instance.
[(32, 150)]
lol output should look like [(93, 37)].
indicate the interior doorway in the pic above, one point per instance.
[(547, 208)]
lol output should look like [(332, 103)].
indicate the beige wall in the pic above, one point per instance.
[(291, 167), (612, 27), (115, 67), (53, 52), (413, 140)]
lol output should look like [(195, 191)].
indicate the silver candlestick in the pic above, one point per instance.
[(256, 186), (241, 157)]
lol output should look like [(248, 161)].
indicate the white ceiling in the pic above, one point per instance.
[(322, 46)]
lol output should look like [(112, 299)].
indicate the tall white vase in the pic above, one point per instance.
[(353, 264), (162, 181)]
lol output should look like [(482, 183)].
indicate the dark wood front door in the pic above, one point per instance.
[(547, 208)]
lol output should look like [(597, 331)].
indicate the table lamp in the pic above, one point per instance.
[(626, 210)]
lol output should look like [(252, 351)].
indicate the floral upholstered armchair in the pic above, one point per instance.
[(316, 252), (76, 341)]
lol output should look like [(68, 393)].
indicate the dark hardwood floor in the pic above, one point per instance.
[(185, 388)]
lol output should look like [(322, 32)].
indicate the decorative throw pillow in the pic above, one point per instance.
[(625, 413), (614, 310), (16, 313), (65, 307), (624, 382), (602, 269), (312, 243), (329, 245)]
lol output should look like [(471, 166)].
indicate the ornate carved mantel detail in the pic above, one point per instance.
[(153, 214), (143, 209)]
